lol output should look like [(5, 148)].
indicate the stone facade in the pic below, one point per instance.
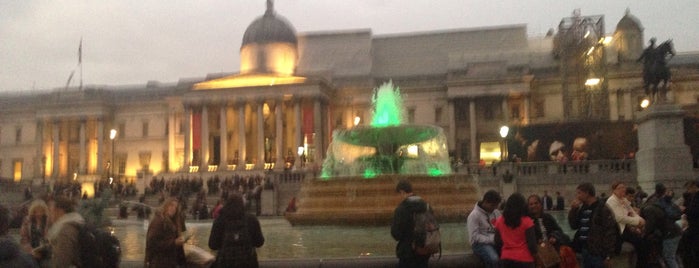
[(468, 81)]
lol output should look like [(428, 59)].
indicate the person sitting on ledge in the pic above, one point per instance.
[(481, 231)]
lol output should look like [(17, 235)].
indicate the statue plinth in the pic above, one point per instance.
[(663, 156)]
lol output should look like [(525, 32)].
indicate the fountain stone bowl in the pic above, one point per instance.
[(399, 149)]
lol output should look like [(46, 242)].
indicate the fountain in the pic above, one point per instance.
[(364, 163)]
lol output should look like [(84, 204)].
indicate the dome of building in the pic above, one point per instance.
[(629, 22), (269, 46), (628, 38), (269, 28)]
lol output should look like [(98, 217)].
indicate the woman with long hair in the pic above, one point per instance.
[(236, 234), (34, 227), (515, 234), (164, 240)]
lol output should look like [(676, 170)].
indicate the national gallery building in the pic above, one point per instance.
[(294, 89)]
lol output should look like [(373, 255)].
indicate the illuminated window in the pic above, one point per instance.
[(121, 164), (17, 170)]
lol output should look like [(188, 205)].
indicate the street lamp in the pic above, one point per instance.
[(112, 136), (504, 130)]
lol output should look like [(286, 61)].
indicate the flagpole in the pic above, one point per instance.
[(80, 62)]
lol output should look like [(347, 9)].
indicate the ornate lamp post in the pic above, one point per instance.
[(112, 136)]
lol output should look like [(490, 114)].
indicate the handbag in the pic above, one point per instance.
[(198, 257), (546, 254)]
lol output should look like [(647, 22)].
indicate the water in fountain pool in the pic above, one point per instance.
[(283, 241)]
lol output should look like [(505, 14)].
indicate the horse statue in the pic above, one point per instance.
[(655, 69)]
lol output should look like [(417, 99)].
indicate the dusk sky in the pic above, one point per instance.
[(130, 42)]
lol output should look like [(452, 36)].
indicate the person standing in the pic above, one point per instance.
[(236, 234), (661, 231), (560, 202), (164, 240), (403, 226), (515, 234), (546, 201), (10, 253), (597, 231), (63, 233), (690, 254), (481, 230)]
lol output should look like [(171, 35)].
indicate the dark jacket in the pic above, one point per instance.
[(552, 229), (658, 226), (236, 240), (692, 213), (161, 250), (403, 225), (12, 256), (604, 231)]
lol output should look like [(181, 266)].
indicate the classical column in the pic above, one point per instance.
[(187, 138), (525, 121), (614, 114), (204, 136), (317, 131), (451, 139), (298, 142), (56, 147), (505, 111), (83, 148), (100, 146), (223, 140), (260, 136), (241, 136), (628, 105), (40, 158), (472, 128), (171, 134), (278, 136)]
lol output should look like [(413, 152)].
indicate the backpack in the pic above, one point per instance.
[(427, 239), (98, 247), (671, 210)]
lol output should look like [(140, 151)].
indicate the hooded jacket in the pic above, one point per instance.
[(480, 225), (404, 225), (63, 238)]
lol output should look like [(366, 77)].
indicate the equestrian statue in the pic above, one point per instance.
[(655, 69)]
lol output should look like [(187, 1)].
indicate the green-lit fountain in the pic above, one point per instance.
[(364, 163), (387, 146)]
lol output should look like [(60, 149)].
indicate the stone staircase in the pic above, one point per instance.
[(359, 201)]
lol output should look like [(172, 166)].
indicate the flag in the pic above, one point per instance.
[(80, 52), (70, 77)]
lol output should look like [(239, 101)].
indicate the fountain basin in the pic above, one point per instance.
[(371, 202)]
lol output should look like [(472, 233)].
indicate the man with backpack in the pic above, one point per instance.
[(63, 234), (403, 227), (661, 230)]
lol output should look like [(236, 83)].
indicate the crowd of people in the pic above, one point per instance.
[(50, 235), (520, 232), (515, 233), (659, 227)]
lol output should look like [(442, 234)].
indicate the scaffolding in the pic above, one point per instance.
[(579, 46)]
